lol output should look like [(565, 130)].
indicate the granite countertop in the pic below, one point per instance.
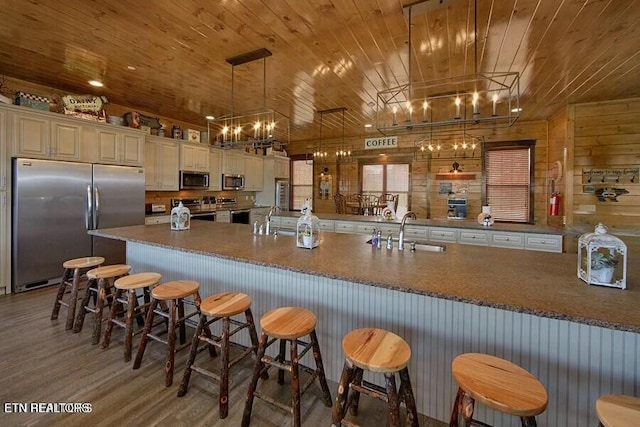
[(468, 223), (537, 283)]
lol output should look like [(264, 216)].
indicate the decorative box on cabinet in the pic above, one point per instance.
[(194, 157), (161, 164)]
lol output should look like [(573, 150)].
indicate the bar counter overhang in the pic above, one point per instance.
[(528, 307)]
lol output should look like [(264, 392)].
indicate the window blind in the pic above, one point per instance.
[(508, 183)]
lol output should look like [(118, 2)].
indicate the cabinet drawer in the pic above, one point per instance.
[(345, 227), (507, 240), (366, 228), (164, 219), (416, 232), (290, 223), (442, 234), (474, 237), (326, 225), (543, 242), (389, 228)]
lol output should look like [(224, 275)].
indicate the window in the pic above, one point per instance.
[(301, 182), (378, 179), (509, 177)]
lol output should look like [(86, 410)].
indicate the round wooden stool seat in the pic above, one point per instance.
[(108, 271), (376, 350), (175, 290), (500, 384), (137, 281), (226, 304), (618, 410), (85, 262), (288, 323)]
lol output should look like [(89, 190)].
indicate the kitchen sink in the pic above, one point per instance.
[(414, 245), (279, 232)]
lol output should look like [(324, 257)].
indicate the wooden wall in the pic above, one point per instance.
[(604, 135)]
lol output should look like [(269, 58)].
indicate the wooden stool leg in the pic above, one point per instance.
[(407, 395), (73, 299), (223, 396), (102, 297), (195, 342), (128, 326), (392, 396), (171, 343), (326, 394), (253, 335), (77, 325), (145, 331), (340, 404), (528, 421), (462, 410), (182, 326), (281, 358), (354, 396), (112, 315), (248, 404), (295, 384), (60, 295)]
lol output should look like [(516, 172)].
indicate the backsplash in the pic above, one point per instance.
[(244, 198)]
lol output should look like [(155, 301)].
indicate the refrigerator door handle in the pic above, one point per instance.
[(97, 210), (87, 214)]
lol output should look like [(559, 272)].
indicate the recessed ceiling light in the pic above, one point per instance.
[(96, 83), (131, 67), (368, 125), (209, 117), (516, 110)]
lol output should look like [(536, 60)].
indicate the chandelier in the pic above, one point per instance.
[(449, 145), (256, 129), (472, 100), (342, 150)]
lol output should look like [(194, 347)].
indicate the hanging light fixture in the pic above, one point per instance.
[(491, 98), (342, 151), (258, 129)]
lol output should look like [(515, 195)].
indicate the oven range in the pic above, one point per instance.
[(203, 209)]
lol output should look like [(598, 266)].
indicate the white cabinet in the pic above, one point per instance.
[(259, 214), (120, 146), (4, 155), (416, 232), (474, 237), (223, 216), (326, 225), (441, 234), (215, 169), (194, 157), (233, 162), (254, 170), (31, 135), (161, 171), (160, 219), (345, 227), (505, 239), (289, 223), (543, 242), (281, 167)]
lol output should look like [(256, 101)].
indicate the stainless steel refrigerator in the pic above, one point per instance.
[(54, 204)]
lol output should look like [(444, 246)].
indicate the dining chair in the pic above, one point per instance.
[(340, 203)]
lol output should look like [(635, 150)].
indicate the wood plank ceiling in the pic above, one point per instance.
[(326, 53)]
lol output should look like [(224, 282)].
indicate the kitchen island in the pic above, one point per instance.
[(529, 307)]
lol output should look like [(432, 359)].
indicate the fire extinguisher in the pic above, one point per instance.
[(554, 204)]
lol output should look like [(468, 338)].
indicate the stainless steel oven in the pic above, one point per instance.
[(240, 216), (203, 216)]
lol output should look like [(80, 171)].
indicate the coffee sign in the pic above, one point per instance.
[(381, 143)]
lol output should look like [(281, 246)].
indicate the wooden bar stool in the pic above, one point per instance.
[(74, 272), (176, 294), (618, 410), (380, 351), (129, 284), (498, 384), (99, 286), (287, 324), (221, 307)]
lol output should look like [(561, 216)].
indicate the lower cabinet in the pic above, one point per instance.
[(543, 242), (441, 234), (223, 216), (345, 227), (504, 239), (472, 237), (160, 219)]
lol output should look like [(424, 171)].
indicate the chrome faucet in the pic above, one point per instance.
[(409, 214), (267, 220)]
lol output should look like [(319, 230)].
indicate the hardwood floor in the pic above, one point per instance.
[(41, 362)]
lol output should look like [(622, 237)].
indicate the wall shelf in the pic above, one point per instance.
[(456, 176)]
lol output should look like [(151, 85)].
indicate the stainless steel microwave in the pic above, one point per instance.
[(190, 180), (233, 182)]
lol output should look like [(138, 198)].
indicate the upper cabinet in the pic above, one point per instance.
[(4, 158), (281, 167), (161, 171), (215, 169), (120, 146), (254, 169), (194, 157), (233, 162)]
